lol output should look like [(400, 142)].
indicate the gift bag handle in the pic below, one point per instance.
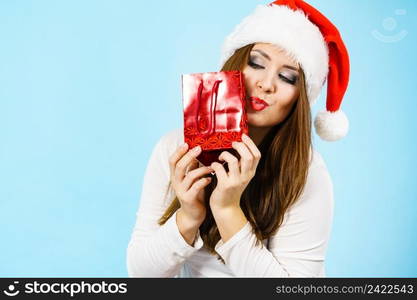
[(213, 102)]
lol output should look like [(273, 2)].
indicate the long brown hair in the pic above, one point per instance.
[(281, 173)]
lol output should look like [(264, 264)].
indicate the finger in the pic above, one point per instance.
[(176, 156), (252, 147), (194, 175), (192, 166), (246, 157), (232, 162), (182, 164), (198, 186), (219, 170)]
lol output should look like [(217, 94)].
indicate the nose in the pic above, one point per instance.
[(266, 84)]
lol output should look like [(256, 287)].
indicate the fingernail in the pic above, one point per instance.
[(196, 149), (184, 146)]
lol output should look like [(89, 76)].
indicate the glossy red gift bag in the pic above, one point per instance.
[(214, 112)]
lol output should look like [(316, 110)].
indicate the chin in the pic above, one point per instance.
[(258, 121)]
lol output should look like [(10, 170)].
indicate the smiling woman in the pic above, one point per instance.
[(269, 214)]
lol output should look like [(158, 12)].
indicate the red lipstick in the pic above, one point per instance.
[(257, 103)]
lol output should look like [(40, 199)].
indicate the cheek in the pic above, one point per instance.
[(249, 76), (285, 101), (287, 95)]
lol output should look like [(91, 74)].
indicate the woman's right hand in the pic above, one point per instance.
[(188, 183)]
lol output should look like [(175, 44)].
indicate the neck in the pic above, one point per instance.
[(257, 134)]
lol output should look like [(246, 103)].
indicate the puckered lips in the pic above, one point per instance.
[(257, 103)]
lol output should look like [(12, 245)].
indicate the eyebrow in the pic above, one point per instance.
[(268, 58)]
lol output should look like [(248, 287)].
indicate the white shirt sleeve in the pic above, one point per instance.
[(154, 250), (298, 248)]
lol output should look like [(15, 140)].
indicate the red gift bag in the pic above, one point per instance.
[(214, 112)]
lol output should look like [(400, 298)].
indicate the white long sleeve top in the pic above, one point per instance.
[(297, 249)]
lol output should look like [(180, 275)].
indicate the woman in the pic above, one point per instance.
[(270, 213)]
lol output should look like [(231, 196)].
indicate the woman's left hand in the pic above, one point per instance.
[(230, 185)]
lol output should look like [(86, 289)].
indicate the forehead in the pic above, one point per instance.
[(275, 53)]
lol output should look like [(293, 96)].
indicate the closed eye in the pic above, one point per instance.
[(287, 80), (283, 78), (255, 66)]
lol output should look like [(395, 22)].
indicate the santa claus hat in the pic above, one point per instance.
[(314, 42)]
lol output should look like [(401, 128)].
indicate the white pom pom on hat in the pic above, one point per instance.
[(314, 42), (331, 126)]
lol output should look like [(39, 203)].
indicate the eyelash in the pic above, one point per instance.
[(256, 66)]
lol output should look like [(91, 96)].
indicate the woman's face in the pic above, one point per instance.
[(271, 80)]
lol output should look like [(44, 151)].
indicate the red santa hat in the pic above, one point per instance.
[(314, 42)]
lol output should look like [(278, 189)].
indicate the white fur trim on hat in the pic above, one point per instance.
[(289, 30), (331, 126)]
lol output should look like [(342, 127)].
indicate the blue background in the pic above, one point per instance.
[(88, 87)]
